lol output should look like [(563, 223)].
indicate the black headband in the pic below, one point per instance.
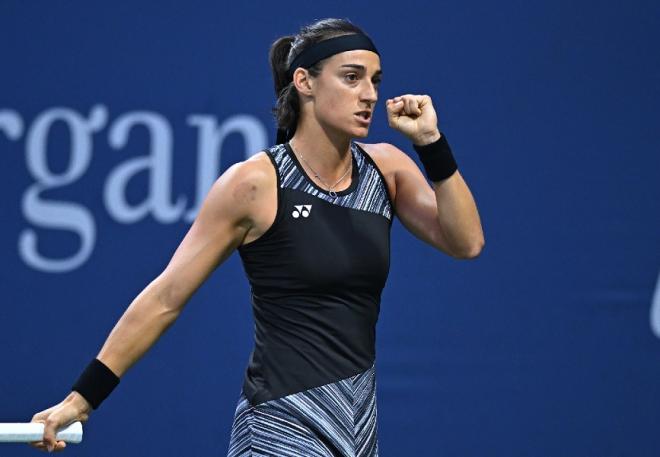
[(331, 46)]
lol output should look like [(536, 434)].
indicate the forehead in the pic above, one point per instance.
[(364, 57)]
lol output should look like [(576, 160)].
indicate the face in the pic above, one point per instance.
[(348, 84)]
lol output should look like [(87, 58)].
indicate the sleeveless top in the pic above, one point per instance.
[(316, 277)]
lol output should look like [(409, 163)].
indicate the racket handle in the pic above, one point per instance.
[(26, 432)]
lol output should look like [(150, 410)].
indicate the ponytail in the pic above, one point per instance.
[(287, 107)]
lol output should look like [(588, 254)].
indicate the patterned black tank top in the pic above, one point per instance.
[(316, 277)]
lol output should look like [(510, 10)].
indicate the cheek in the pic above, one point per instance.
[(341, 104), (332, 100), (333, 107), (335, 104)]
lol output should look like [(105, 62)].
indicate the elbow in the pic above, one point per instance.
[(472, 252)]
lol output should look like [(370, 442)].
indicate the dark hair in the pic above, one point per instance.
[(284, 50)]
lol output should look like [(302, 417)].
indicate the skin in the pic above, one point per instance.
[(242, 203)]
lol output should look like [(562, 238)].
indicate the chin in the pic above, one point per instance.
[(353, 131)]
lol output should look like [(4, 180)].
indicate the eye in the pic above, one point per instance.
[(352, 74)]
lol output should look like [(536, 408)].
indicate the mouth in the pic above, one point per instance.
[(364, 116)]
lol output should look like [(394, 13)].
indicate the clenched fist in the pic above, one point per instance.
[(414, 116)]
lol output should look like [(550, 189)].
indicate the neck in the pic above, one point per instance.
[(328, 152)]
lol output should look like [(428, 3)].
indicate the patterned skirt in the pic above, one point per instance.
[(333, 420)]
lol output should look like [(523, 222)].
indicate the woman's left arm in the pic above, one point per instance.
[(444, 214)]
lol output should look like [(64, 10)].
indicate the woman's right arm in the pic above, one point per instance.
[(224, 219), (219, 228)]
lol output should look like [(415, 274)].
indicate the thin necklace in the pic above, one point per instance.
[(332, 193)]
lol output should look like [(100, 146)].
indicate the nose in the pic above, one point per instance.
[(369, 92)]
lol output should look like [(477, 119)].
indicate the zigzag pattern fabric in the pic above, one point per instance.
[(333, 420), (369, 196)]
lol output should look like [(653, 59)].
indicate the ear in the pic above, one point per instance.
[(302, 81)]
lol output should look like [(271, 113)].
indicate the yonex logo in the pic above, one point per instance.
[(301, 209)]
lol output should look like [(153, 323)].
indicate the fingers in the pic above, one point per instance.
[(408, 104), (392, 103), (59, 446), (39, 417), (52, 424), (412, 106)]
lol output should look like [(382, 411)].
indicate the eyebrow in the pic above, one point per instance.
[(361, 67)]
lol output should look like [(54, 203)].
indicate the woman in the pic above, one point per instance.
[(310, 217)]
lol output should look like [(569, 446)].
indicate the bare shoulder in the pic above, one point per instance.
[(250, 176), (385, 153), (242, 190), (258, 166), (257, 170), (254, 193)]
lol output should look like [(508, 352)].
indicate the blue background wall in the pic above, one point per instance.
[(545, 345)]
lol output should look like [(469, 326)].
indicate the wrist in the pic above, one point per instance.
[(426, 138), (79, 402)]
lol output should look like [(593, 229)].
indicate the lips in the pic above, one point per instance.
[(364, 116)]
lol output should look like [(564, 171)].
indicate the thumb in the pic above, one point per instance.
[(53, 423)]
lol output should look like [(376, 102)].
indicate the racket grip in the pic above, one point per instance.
[(26, 432)]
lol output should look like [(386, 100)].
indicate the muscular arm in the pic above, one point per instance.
[(222, 223), (442, 214), (227, 215)]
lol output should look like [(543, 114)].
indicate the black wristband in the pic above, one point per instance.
[(96, 382), (437, 159)]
